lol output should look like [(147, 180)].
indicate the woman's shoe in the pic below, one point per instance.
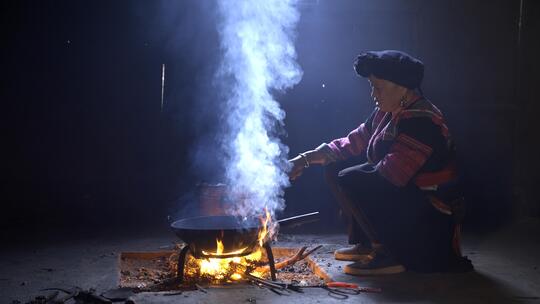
[(354, 253), (380, 264)]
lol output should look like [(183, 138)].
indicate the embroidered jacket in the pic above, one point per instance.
[(413, 146)]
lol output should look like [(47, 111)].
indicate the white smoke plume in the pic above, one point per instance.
[(257, 38)]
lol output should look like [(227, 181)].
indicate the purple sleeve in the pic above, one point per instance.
[(353, 144)]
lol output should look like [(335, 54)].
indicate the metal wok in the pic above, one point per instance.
[(201, 233)]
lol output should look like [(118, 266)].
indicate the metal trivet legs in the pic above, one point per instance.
[(183, 254)]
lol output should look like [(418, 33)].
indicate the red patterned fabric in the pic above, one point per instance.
[(405, 158), (436, 178), (399, 155)]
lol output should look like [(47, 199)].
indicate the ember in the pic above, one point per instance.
[(219, 270), (146, 271)]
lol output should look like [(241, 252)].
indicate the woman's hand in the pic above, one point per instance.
[(304, 160), (298, 167)]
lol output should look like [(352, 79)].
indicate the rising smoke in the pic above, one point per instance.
[(258, 59)]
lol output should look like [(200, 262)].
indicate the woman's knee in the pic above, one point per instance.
[(347, 178), (331, 172), (364, 176)]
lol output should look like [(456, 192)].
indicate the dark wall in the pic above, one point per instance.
[(87, 141), (526, 139)]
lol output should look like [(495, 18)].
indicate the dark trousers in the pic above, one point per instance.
[(401, 218)]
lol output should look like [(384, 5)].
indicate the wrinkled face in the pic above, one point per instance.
[(386, 94)]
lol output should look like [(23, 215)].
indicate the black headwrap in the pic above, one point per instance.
[(395, 66)]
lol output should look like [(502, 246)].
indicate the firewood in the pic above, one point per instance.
[(300, 255)]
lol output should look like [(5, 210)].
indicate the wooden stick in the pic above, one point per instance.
[(300, 255), (162, 85)]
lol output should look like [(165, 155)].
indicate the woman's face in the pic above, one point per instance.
[(386, 94)]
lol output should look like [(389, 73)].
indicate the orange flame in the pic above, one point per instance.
[(219, 269), (219, 251), (264, 230)]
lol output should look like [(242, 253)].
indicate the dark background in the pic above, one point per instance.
[(86, 144)]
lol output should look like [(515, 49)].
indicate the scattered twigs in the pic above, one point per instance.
[(169, 284), (174, 293), (52, 296), (201, 289), (69, 294), (79, 295), (300, 255), (45, 299), (354, 288), (279, 293), (369, 289)]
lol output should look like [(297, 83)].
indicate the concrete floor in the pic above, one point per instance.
[(507, 271)]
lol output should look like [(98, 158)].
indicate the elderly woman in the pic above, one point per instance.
[(394, 175)]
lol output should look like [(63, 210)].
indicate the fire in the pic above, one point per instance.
[(232, 268), (217, 267), (219, 250), (225, 269), (264, 231)]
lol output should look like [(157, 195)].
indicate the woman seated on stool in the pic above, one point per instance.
[(401, 198)]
